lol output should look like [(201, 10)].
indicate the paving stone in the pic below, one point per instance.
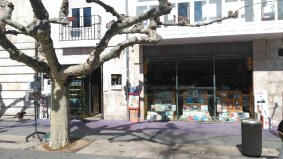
[(148, 154)]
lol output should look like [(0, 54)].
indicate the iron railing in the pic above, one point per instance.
[(81, 28)]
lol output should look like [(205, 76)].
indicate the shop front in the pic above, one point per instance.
[(198, 82)]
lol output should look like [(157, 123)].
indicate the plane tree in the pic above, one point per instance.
[(61, 76)]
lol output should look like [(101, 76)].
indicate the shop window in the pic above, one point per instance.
[(116, 81)]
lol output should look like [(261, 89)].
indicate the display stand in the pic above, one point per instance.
[(35, 96), (134, 100)]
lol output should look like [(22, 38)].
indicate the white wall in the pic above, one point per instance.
[(14, 76)]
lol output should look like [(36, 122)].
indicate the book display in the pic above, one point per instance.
[(163, 106), (230, 106), (195, 105)]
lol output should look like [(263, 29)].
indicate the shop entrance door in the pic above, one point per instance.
[(96, 106)]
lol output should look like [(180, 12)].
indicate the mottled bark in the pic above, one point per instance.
[(59, 123)]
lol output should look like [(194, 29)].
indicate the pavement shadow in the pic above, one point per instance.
[(121, 132), (165, 133), (240, 148)]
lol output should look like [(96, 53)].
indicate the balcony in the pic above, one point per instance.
[(81, 28)]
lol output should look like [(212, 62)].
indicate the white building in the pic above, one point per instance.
[(220, 70)]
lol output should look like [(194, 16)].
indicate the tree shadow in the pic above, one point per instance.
[(125, 132), (4, 108)]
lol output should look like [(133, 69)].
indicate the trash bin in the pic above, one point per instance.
[(251, 137)]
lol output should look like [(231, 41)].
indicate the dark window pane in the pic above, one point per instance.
[(87, 17), (76, 16), (183, 11)]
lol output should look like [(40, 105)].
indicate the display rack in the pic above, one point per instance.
[(76, 97), (230, 101)]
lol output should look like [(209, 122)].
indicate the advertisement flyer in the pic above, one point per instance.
[(261, 110)]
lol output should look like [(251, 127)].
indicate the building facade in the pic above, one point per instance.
[(225, 71), (16, 78)]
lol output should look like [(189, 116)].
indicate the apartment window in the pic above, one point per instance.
[(183, 11), (198, 11), (216, 9), (76, 18), (280, 9), (267, 10), (87, 16)]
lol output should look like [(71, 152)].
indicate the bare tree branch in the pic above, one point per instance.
[(108, 9), (13, 32), (117, 27), (95, 61), (16, 54), (6, 18), (63, 14), (39, 9), (185, 22)]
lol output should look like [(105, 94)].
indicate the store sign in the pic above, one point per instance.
[(261, 110)]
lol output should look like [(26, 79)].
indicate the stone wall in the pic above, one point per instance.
[(268, 74)]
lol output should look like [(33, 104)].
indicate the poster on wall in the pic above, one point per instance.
[(261, 110), (134, 101)]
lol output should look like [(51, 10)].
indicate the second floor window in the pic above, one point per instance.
[(81, 21), (280, 9), (76, 18), (87, 17)]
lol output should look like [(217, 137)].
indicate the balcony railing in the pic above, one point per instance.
[(81, 28)]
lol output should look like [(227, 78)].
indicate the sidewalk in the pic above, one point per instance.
[(175, 139)]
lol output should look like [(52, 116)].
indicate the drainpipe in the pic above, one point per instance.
[(127, 65)]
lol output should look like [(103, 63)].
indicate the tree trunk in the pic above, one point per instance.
[(59, 124)]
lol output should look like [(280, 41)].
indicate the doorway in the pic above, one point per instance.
[(96, 101)]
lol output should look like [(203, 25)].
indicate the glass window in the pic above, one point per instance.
[(217, 12), (87, 16), (76, 17), (183, 11), (198, 11), (280, 9), (140, 11), (267, 10)]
